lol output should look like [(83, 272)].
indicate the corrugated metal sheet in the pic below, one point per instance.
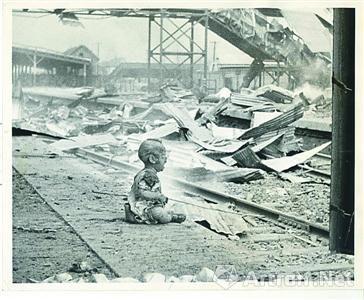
[(260, 117), (248, 100), (160, 132), (247, 158), (184, 120), (287, 162), (279, 122), (240, 174), (221, 146), (220, 218), (226, 132), (275, 93), (266, 143), (83, 141)]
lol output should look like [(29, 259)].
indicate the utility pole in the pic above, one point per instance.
[(213, 56), (343, 133), (98, 55)]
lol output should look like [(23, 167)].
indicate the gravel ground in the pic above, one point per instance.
[(308, 200), (74, 187), (41, 239)]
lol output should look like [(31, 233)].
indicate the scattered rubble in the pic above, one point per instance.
[(231, 154), (125, 280), (153, 278), (99, 278), (199, 149), (81, 267), (204, 275), (309, 200)]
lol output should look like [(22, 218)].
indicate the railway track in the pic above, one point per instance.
[(213, 195), (272, 236)]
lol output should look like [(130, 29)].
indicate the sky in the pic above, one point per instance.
[(116, 37)]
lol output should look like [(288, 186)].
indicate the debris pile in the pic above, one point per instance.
[(199, 148)]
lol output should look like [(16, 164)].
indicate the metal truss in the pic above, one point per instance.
[(182, 35), (191, 53)]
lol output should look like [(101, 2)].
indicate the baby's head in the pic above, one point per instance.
[(153, 154)]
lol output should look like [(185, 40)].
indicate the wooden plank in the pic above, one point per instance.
[(308, 250), (229, 161)]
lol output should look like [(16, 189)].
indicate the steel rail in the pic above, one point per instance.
[(208, 194), (67, 223)]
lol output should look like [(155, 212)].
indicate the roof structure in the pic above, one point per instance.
[(49, 54), (269, 64), (74, 50)]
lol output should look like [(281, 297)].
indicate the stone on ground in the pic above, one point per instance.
[(99, 278), (125, 280), (206, 275), (154, 277)]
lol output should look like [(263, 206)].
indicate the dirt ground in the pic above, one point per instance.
[(88, 196), (41, 239)]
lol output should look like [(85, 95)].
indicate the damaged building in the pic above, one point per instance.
[(249, 151)]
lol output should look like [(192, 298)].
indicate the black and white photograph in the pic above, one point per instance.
[(183, 146)]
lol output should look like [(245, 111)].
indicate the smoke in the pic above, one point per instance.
[(311, 91), (317, 73)]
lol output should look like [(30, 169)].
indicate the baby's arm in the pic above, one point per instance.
[(149, 189), (153, 196)]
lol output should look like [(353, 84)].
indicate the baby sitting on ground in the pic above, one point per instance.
[(146, 201)]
